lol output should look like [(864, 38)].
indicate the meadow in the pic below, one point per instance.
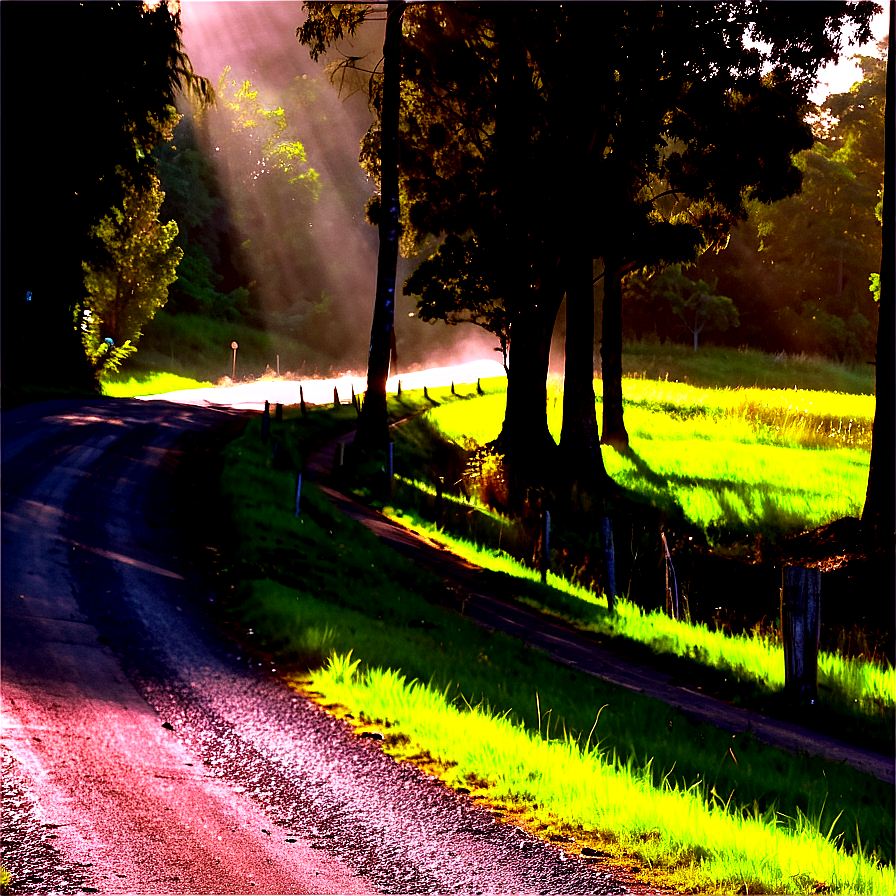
[(588, 765), (736, 462)]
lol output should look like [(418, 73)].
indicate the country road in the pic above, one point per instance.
[(141, 752)]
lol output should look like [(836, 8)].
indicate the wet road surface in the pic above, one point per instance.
[(141, 752)]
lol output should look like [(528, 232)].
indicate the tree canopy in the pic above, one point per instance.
[(84, 148)]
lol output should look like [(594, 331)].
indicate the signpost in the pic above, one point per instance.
[(234, 346)]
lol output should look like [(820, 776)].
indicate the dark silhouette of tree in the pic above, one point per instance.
[(80, 119), (878, 512), (695, 107), (326, 24)]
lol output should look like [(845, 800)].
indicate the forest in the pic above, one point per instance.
[(788, 264)]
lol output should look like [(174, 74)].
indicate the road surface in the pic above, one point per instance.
[(141, 752)]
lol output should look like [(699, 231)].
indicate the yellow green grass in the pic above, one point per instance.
[(698, 842), (736, 462), (149, 384), (700, 810), (855, 684)]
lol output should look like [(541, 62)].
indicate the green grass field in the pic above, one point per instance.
[(695, 807), (736, 462)]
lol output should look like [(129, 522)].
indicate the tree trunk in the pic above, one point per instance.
[(611, 356), (579, 439), (525, 439), (878, 513), (373, 425)]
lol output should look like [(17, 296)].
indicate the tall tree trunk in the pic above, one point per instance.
[(579, 439), (525, 439), (878, 514), (373, 425), (611, 355)]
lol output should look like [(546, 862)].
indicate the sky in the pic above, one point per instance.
[(839, 78)]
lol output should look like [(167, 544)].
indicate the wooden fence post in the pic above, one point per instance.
[(302, 401), (278, 412), (266, 422), (440, 506), (606, 538), (800, 631), (335, 397)]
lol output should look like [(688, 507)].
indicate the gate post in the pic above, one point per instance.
[(800, 631)]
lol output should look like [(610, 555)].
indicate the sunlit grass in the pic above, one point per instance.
[(857, 685), (149, 384), (735, 461), (678, 830), (316, 585)]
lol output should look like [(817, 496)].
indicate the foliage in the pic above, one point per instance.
[(73, 185), (124, 290), (799, 269), (694, 303)]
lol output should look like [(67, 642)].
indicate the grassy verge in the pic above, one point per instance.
[(696, 807), (719, 368), (149, 383), (857, 697)]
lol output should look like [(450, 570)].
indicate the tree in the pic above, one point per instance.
[(326, 24), (69, 181), (694, 107), (124, 291), (695, 303), (877, 514)]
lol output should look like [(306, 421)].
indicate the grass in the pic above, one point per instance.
[(690, 833), (856, 696), (721, 368), (149, 383), (712, 812), (735, 462), (198, 347)]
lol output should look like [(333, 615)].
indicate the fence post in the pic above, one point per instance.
[(390, 470), (800, 631), (546, 547), (440, 506), (335, 397), (302, 401), (339, 456), (606, 538), (266, 422), (279, 412), (673, 600)]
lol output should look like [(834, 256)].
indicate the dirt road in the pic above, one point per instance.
[(142, 753)]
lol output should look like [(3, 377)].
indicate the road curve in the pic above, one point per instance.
[(141, 752)]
